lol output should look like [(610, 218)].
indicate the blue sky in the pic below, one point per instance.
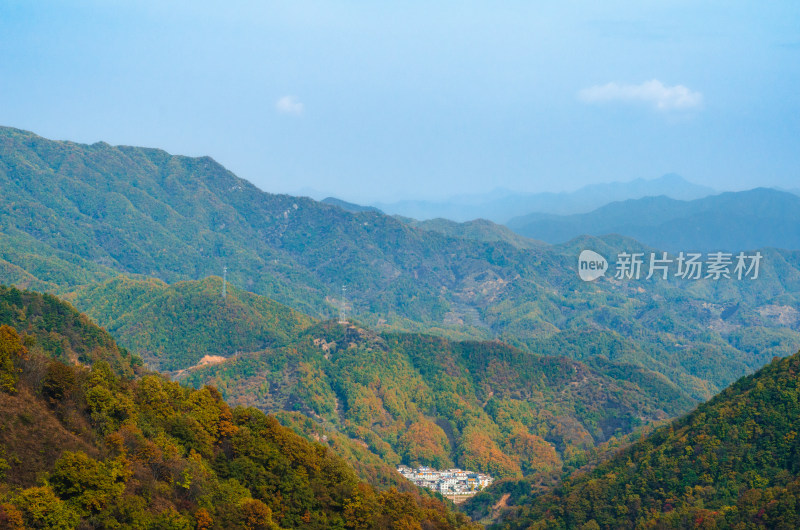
[(382, 100)]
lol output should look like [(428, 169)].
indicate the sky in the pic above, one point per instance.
[(381, 101)]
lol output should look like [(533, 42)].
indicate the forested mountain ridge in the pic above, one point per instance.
[(418, 399), (83, 447), (143, 211), (732, 463), (74, 214), (175, 326), (478, 229), (349, 206), (53, 326)]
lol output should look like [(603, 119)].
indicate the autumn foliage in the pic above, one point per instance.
[(145, 452)]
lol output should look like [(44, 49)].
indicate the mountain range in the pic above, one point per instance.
[(501, 205), (733, 221), (364, 385), (74, 215), (460, 344)]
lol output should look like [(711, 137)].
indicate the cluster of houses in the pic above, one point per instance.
[(453, 483)]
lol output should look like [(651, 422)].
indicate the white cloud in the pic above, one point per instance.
[(289, 105), (653, 92)]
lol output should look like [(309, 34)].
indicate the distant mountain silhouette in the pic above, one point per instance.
[(500, 205), (732, 221)]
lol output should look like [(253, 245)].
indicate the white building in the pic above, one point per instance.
[(450, 482)]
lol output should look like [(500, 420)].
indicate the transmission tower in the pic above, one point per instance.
[(343, 307), (224, 283)]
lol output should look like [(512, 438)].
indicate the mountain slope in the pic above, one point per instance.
[(733, 463), (83, 447), (731, 221), (52, 325), (419, 399), (72, 215), (478, 230), (142, 211)]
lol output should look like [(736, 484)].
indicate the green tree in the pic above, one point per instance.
[(87, 484), (11, 350), (41, 508)]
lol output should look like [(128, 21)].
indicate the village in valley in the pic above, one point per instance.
[(455, 484)]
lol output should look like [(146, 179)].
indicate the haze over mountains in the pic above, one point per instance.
[(501, 205), (668, 213), (731, 221)]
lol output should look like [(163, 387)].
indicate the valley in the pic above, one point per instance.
[(464, 345)]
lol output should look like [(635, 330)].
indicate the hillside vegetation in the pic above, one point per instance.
[(73, 215), (419, 399), (175, 326), (732, 463), (85, 447), (54, 328), (478, 230)]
